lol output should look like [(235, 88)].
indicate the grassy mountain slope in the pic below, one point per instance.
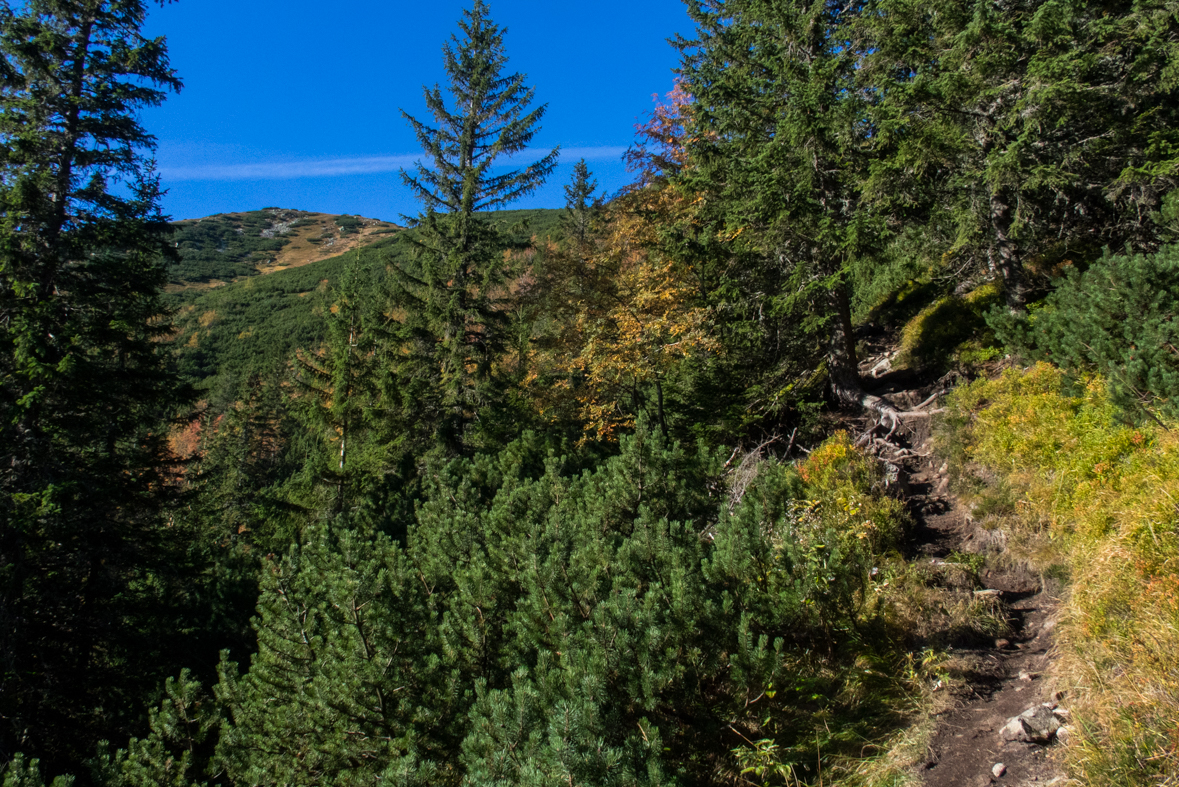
[(253, 324), (230, 246)]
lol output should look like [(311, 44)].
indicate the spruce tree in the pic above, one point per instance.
[(85, 571), (454, 318), (778, 152), (581, 205), (343, 400), (1045, 130)]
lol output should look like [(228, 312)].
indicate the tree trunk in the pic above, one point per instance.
[(659, 401), (843, 366), (842, 363), (1004, 254)]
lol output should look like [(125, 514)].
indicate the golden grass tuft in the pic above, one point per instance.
[(1099, 498)]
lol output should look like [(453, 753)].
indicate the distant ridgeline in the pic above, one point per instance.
[(230, 246), (250, 287)]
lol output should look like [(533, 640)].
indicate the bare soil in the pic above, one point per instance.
[(999, 679), (1002, 679)]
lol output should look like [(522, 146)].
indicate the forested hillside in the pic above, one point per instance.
[(744, 475), (251, 326)]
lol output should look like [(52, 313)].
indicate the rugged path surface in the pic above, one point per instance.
[(1002, 679)]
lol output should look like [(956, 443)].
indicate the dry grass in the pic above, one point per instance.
[(321, 238), (1098, 500)]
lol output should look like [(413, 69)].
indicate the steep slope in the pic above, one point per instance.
[(273, 282)]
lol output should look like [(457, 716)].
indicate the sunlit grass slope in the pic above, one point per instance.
[(1086, 496)]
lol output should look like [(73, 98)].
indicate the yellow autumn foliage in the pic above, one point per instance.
[(628, 315)]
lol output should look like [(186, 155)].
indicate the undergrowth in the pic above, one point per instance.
[(1082, 494), (950, 331), (870, 709)]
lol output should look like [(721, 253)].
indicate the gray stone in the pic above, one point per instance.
[(1013, 730), (1035, 725), (998, 770)]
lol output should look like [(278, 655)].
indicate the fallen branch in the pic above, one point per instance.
[(930, 399)]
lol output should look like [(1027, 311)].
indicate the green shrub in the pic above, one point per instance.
[(1118, 318), (626, 623), (348, 225)]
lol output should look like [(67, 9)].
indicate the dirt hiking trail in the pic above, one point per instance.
[(980, 737)]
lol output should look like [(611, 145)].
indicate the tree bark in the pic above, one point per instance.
[(1004, 254), (842, 363), (843, 366)]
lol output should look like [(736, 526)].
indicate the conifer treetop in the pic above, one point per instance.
[(490, 119)]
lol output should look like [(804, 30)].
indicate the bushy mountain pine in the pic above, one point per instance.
[(1117, 318), (20, 772), (545, 622), (346, 686), (176, 747)]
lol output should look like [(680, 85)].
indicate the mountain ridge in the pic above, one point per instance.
[(227, 247)]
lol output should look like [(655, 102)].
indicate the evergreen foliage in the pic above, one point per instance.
[(225, 247), (342, 398), (448, 477), (452, 296), (90, 579), (169, 755), (605, 625), (20, 772), (581, 204), (1117, 318), (779, 149), (1044, 129), (337, 690)]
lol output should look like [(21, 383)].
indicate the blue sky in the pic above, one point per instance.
[(296, 104)]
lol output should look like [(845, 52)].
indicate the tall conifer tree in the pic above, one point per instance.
[(451, 298), (779, 146), (340, 399), (83, 389), (1045, 129)]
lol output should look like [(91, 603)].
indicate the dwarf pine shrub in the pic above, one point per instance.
[(1118, 318), (629, 624)]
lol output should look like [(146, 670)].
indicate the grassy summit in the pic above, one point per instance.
[(229, 246)]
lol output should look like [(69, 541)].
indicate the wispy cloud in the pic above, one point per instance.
[(285, 170), (592, 154), (322, 168)]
